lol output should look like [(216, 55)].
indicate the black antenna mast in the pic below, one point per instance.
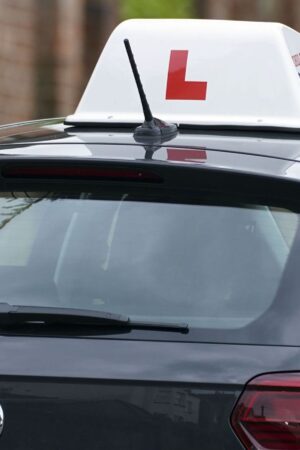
[(152, 128)]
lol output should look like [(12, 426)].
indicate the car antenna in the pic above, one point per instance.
[(154, 130)]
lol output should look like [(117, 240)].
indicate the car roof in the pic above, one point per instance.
[(266, 153)]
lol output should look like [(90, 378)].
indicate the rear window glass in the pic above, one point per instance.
[(216, 265)]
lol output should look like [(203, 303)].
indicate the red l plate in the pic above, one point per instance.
[(177, 87)]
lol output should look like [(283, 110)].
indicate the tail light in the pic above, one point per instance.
[(267, 415)]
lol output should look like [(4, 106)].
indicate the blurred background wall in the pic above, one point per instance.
[(48, 48)]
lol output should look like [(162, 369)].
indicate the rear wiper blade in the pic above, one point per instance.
[(11, 315), (15, 314)]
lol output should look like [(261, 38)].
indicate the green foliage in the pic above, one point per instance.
[(156, 9)]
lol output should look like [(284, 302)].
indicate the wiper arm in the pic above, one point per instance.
[(11, 315), (160, 326)]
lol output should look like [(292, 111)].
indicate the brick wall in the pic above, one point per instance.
[(82, 30), (69, 70), (17, 59), (47, 51)]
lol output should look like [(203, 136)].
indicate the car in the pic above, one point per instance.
[(149, 267)]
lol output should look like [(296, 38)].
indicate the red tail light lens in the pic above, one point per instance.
[(105, 173), (267, 415)]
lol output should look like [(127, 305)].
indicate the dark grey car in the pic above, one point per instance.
[(139, 295)]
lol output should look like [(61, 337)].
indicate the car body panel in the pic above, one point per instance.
[(281, 145), (59, 393), (144, 360), (268, 156)]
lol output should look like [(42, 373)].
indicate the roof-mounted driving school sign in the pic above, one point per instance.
[(198, 72)]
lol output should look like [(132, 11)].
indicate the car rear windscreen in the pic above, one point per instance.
[(219, 266)]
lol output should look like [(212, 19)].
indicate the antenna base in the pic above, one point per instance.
[(155, 129)]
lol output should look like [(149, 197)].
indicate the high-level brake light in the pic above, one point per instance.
[(267, 415), (78, 172)]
